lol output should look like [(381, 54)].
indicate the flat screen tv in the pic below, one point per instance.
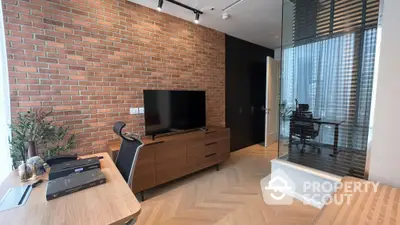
[(173, 111)]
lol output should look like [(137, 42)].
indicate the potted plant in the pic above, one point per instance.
[(33, 131), (59, 142)]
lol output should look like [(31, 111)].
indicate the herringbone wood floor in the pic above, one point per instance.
[(230, 196)]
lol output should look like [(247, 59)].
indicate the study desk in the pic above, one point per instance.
[(357, 203), (109, 203), (319, 121)]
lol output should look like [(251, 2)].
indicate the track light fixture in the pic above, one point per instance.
[(196, 12), (197, 17), (160, 4)]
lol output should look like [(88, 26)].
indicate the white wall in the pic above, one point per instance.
[(287, 24), (385, 148), (277, 53), (287, 28)]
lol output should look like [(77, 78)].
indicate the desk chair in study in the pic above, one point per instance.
[(304, 128), (127, 155)]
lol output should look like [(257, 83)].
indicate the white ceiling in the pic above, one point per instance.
[(256, 21)]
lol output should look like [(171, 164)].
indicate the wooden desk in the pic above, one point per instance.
[(109, 203), (319, 121), (365, 207)]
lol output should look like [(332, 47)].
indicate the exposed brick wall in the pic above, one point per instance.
[(89, 60)]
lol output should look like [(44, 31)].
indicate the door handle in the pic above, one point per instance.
[(240, 110), (252, 110)]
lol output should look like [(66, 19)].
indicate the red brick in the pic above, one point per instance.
[(72, 26), (79, 12), (23, 46), (73, 37), (88, 39), (52, 22), (15, 8), (15, 63), (77, 67), (17, 87), (29, 104), (25, 69), (40, 98), (48, 60), (11, 2), (39, 87), (62, 8), (28, 93), (28, 81), (18, 21), (76, 57), (45, 38), (62, 107)]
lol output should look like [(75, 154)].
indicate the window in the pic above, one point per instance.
[(324, 74), (5, 161)]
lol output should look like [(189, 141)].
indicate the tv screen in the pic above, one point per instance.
[(171, 111)]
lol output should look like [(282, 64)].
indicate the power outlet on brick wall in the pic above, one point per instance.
[(141, 110), (134, 111)]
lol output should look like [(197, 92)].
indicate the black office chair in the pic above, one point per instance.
[(303, 107), (305, 130), (128, 154)]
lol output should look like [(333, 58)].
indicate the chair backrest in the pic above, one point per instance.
[(304, 128), (303, 107), (128, 153)]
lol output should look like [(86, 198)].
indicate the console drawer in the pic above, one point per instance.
[(144, 175), (170, 161), (209, 154), (215, 136), (200, 161)]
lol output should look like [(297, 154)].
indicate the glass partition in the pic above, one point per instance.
[(328, 56)]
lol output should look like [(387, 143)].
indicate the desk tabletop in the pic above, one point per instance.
[(364, 206), (319, 120), (109, 203)]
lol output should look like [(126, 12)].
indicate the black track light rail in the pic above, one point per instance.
[(185, 6)]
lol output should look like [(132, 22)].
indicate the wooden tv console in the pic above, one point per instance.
[(167, 158)]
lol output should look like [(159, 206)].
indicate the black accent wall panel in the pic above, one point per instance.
[(245, 91)]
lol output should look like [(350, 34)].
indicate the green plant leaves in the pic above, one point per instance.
[(35, 126)]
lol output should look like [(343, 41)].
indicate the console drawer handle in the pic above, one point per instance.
[(210, 132), (212, 143), (210, 155), (155, 143)]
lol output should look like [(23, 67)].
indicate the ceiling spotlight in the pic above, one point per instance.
[(160, 4), (196, 19), (195, 11), (225, 16)]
